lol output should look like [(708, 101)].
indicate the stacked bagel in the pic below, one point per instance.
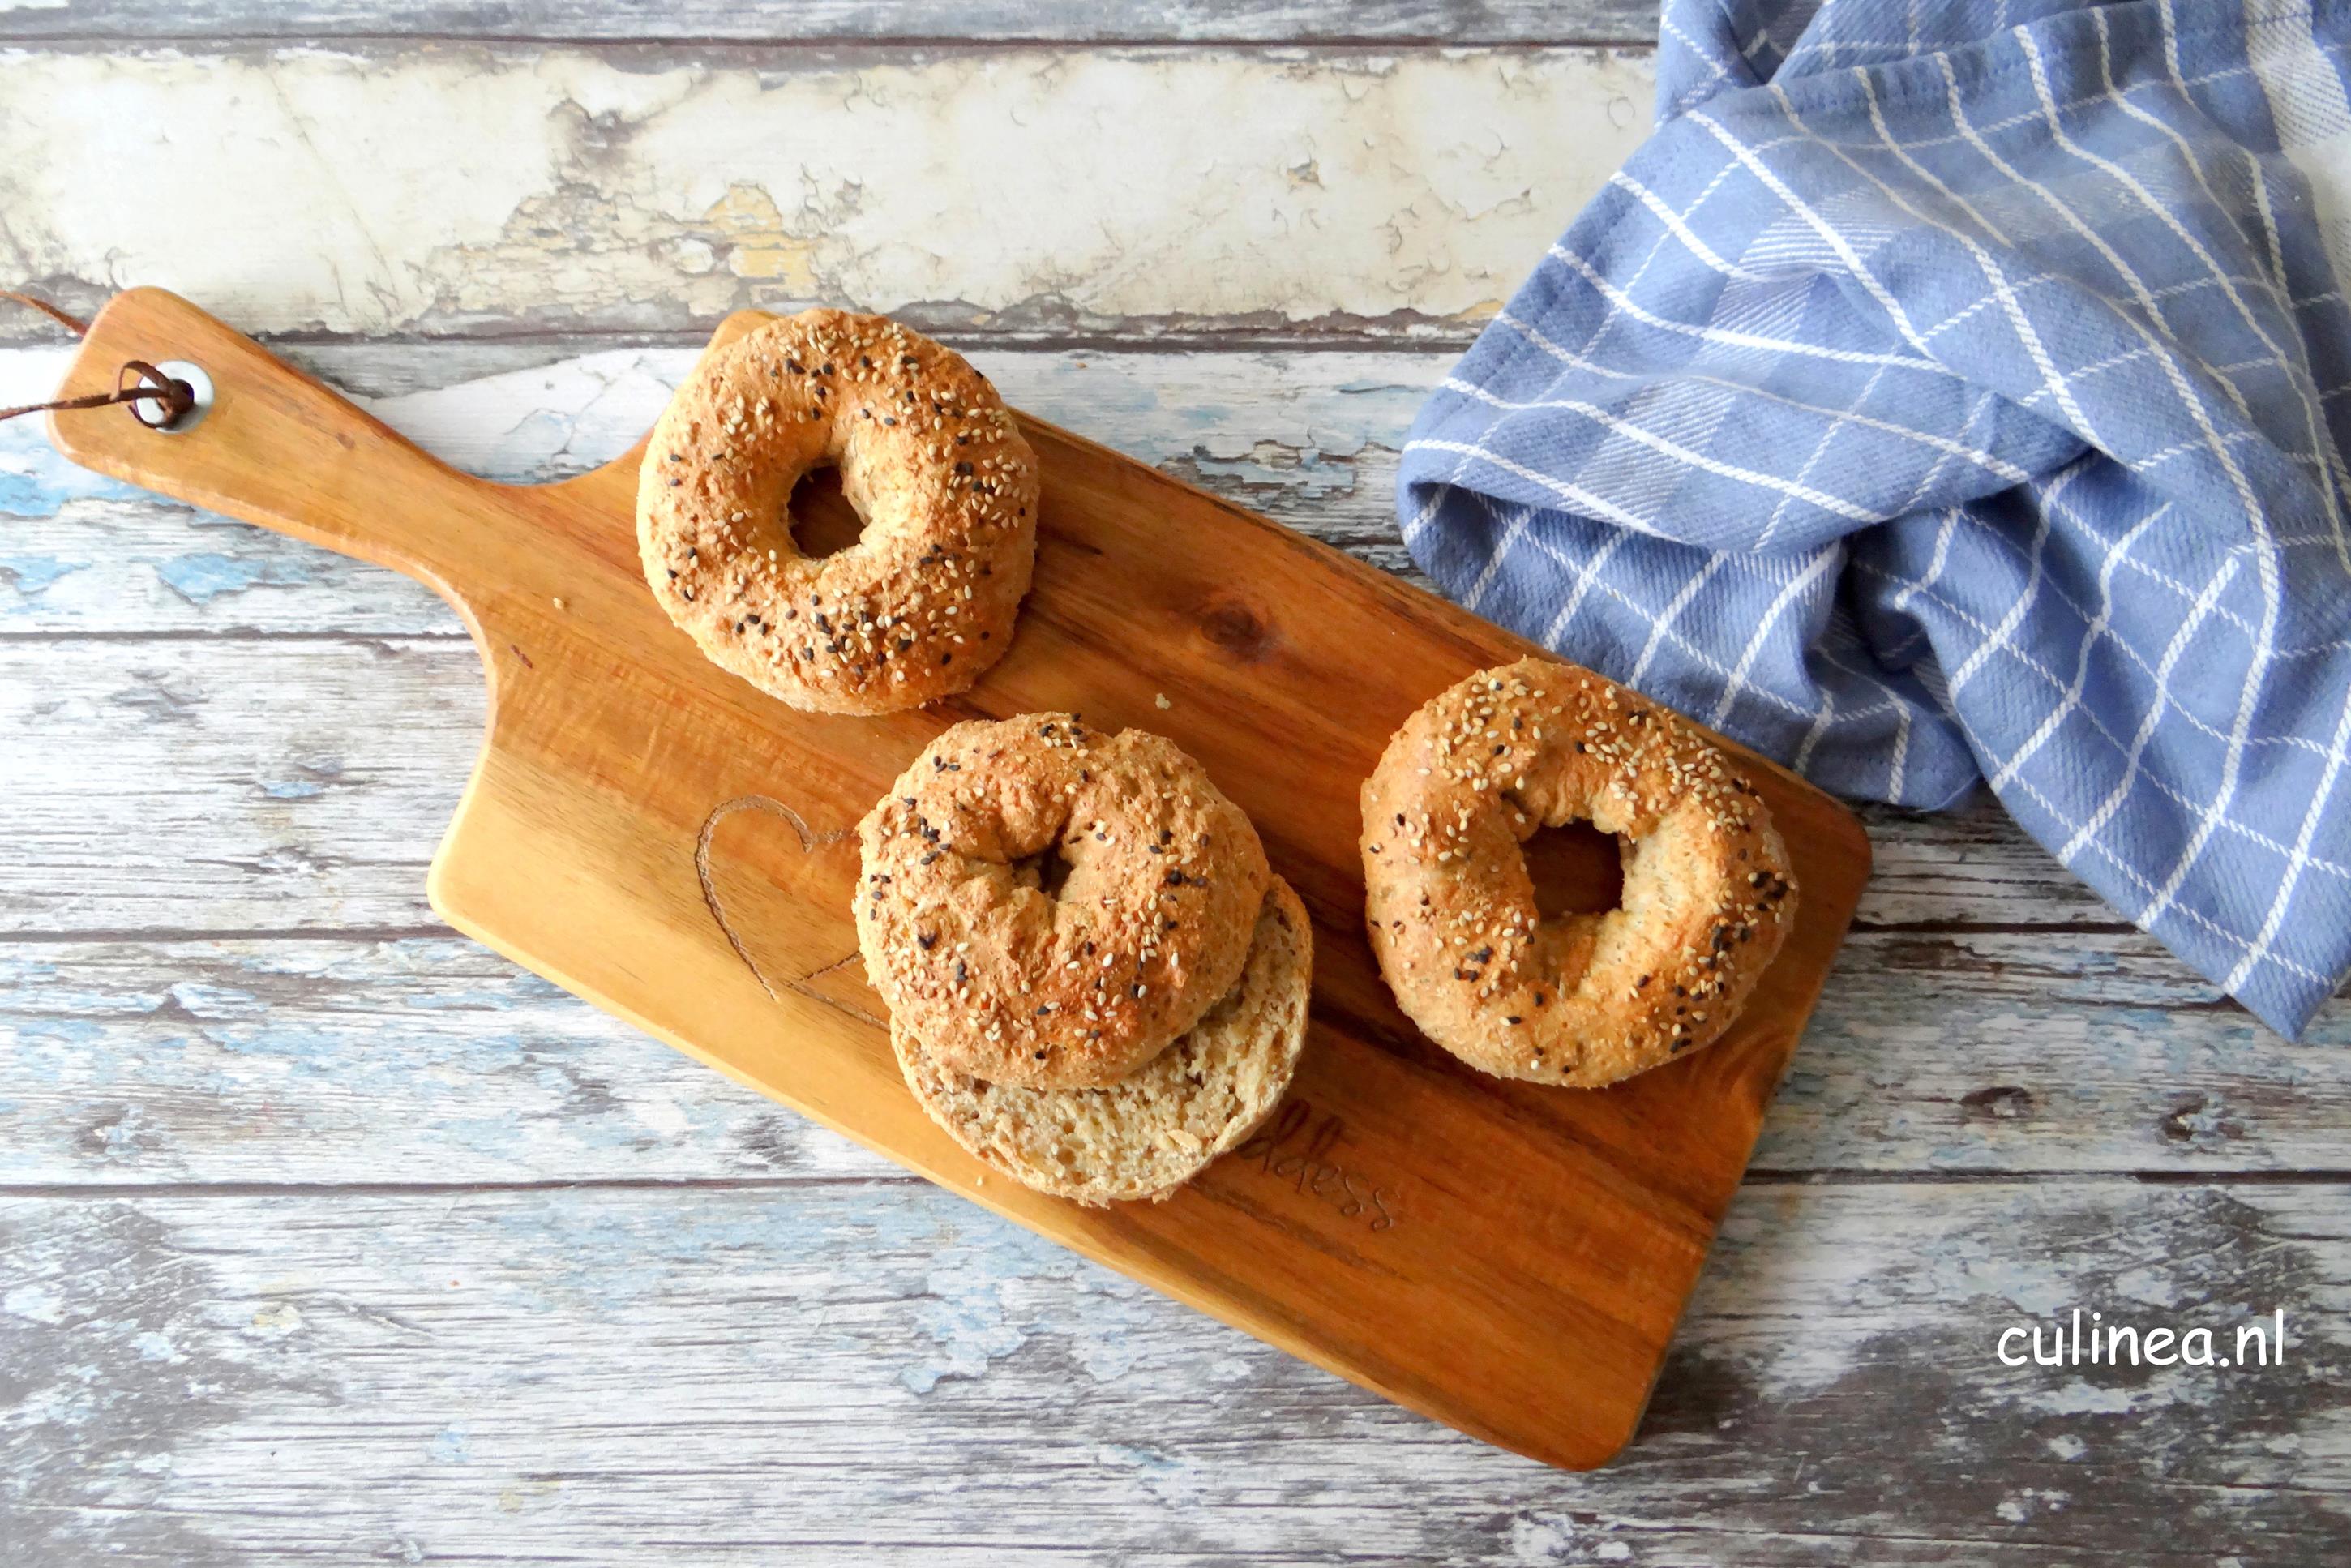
[(1095, 982)]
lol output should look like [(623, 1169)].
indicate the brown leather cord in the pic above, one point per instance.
[(74, 324), (173, 398)]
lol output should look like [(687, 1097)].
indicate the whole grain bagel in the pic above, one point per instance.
[(924, 600), (1153, 1130), (1580, 1000), (1046, 904)]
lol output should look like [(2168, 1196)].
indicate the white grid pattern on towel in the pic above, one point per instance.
[(1955, 395)]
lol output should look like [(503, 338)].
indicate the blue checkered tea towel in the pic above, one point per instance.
[(1960, 391)]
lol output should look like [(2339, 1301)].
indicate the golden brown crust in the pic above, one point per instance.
[(1003, 980), (1582, 1000), (1153, 1130), (926, 600)]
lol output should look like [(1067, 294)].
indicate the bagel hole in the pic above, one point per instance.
[(1047, 871), (820, 517), (1577, 870)]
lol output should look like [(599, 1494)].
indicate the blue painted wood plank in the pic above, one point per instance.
[(293, 1062), (820, 1373)]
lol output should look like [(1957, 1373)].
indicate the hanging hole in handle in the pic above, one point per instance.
[(161, 417)]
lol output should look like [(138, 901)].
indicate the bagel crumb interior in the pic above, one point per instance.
[(1146, 1134)]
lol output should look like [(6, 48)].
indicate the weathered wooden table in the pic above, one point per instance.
[(327, 1236)]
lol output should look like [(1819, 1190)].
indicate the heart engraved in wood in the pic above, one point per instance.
[(765, 869)]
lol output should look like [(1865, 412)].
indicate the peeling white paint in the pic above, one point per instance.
[(2079, 1396), (38, 1302), (661, 1115), (277, 1319), (355, 193)]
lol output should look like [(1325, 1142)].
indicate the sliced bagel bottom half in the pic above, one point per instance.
[(1146, 1134)]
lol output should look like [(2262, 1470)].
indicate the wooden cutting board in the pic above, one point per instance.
[(669, 843)]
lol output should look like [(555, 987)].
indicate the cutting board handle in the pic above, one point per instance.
[(274, 447)]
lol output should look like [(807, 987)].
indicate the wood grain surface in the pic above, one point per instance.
[(200, 982), (659, 838), (2010, 1103)]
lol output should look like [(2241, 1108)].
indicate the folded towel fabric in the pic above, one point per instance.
[(1951, 391)]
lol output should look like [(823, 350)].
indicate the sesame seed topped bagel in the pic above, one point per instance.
[(929, 458), (1051, 904), (1578, 999)]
